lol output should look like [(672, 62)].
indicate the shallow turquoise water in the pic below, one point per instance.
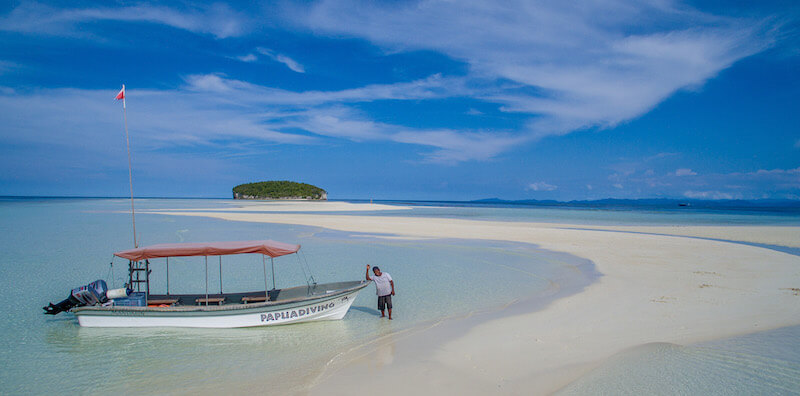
[(51, 246), (766, 363), (590, 216), (631, 215)]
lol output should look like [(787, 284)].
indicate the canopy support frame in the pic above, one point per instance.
[(266, 282), (206, 280), (272, 262)]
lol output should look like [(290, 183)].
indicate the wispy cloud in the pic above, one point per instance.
[(685, 172), (216, 19), (326, 113), (450, 146), (762, 183), (78, 117), (458, 145), (564, 66), (432, 87), (289, 62), (541, 186), (211, 110), (292, 64), (716, 195), (572, 65), (247, 58)]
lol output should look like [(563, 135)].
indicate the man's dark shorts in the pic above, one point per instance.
[(384, 302)]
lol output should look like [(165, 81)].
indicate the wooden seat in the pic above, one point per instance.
[(249, 299), (211, 300), (162, 301)]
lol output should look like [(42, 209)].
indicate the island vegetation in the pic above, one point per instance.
[(282, 189)]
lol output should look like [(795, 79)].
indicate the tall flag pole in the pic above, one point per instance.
[(121, 95)]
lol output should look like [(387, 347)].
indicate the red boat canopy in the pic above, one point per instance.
[(268, 248)]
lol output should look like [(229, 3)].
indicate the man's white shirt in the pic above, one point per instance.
[(382, 286)]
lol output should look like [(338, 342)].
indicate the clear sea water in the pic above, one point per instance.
[(766, 363), (628, 214), (49, 246)]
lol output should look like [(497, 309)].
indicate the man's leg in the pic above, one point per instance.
[(389, 305), (390, 314), (381, 306)]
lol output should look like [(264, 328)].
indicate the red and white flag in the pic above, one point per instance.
[(121, 94)]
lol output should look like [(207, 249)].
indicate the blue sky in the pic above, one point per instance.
[(404, 100)]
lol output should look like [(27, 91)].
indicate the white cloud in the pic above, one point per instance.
[(76, 117), (711, 195), (213, 110), (795, 171), (247, 58), (217, 19), (289, 62), (458, 146), (572, 65), (568, 66), (541, 186), (451, 146), (758, 184), (617, 185), (432, 87)]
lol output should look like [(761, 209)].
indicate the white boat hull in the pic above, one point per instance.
[(332, 307)]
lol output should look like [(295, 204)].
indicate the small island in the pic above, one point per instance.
[(282, 189)]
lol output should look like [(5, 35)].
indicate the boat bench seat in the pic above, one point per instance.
[(162, 301), (249, 299), (211, 300)]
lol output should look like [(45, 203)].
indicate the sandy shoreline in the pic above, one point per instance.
[(655, 288), (295, 206)]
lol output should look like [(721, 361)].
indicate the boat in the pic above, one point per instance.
[(134, 305)]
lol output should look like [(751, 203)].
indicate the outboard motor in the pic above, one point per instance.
[(92, 294)]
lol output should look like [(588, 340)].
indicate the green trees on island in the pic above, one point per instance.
[(278, 190)]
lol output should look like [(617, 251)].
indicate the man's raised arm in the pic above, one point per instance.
[(367, 271)]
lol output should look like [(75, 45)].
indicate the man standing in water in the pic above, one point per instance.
[(384, 286)]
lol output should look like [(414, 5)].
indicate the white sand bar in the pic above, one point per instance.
[(654, 288), (299, 206)]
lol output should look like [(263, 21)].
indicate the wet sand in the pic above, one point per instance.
[(654, 288)]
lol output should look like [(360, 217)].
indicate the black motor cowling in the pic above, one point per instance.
[(91, 294)]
